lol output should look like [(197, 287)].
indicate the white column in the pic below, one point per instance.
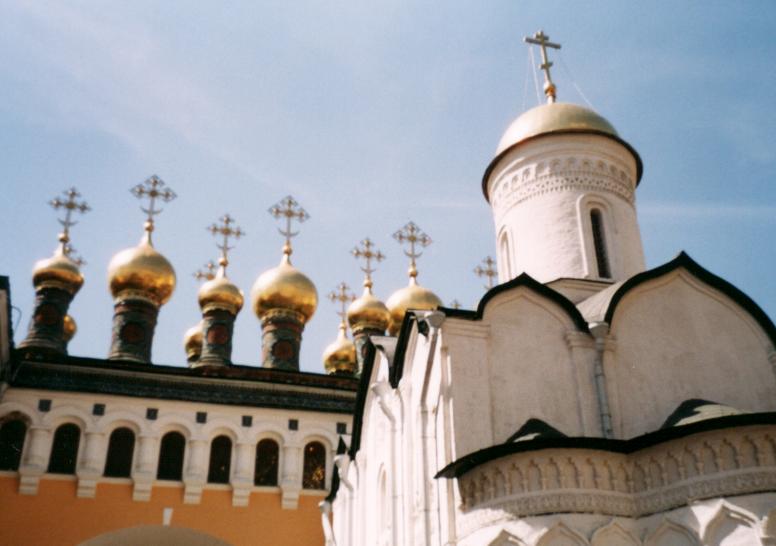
[(35, 460), (91, 464), (242, 479), (196, 471), (144, 471), (291, 481)]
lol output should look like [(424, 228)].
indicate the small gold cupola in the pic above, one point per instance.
[(57, 280), (412, 296), (339, 357), (283, 298), (220, 301), (368, 312), (141, 280)]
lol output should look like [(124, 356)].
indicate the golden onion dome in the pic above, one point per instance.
[(59, 271), (413, 296), (221, 293), (556, 117), (192, 342), (368, 312), (142, 269), (340, 356), (284, 287), (69, 328)]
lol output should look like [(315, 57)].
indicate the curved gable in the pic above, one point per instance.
[(524, 280), (683, 260)]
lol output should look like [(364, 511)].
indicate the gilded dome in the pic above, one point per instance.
[(368, 312), (284, 287), (69, 328), (144, 270), (340, 356), (553, 118), (192, 342), (222, 293), (413, 296), (59, 271)]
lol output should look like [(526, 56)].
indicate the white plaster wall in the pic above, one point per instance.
[(539, 193), (531, 372), (676, 339)]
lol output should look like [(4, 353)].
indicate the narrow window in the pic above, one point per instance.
[(11, 443), (118, 463), (220, 460), (314, 476), (266, 472), (599, 243), (64, 449), (171, 457), (504, 252)]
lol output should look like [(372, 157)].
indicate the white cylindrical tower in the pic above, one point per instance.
[(562, 189)]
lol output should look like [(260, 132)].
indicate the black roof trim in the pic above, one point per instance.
[(335, 479), (683, 260), (361, 394), (495, 160), (468, 462), (538, 427), (397, 366), (523, 280)]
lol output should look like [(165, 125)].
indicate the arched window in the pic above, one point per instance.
[(64, 449), (11, 443), (121, 446), (314, 475), (220, 460), (266, 472), (171, 457), (599, 244), (503, 249)]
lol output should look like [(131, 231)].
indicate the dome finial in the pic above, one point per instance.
[(289, 209), (152, 188), (226, 230), (368, 252), (414, 237), (208, 272), (542, 40), (488, 271), (70, 204)]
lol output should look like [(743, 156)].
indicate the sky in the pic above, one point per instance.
[(370, 114)]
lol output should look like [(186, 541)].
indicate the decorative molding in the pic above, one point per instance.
[(715, 464)]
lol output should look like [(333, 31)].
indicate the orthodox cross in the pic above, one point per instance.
[(542, 40), (70, 251), (414, 237), (488, 271), (226, 229), (289, 209), (71, 204), (152, 188), (455, 304), (368, 252), (208, 272), (343, 296)]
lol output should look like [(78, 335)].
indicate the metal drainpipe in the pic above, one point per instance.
[(600, 331)]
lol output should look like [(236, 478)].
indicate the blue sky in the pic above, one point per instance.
[(371, 114)]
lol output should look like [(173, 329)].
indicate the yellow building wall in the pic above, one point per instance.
[(56, 517)]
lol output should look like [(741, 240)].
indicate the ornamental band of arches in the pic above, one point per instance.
[(61, 444)]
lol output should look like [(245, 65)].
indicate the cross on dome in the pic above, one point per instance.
[(488, 271), (152, 188), (368, 252), (542, 40), (208, 272), (71, 204), (226, 229), (289, 209), (414, 237), (343, 296)]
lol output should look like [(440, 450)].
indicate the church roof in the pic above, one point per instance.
[(535, 428), (696, 410)]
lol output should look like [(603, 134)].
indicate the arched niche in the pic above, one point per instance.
[(143, 535)]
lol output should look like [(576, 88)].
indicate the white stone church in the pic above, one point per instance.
[(587, 401)]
